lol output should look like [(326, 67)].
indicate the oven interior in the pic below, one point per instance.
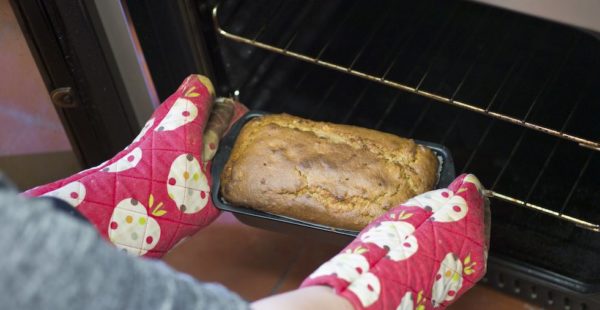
[(529, 69)]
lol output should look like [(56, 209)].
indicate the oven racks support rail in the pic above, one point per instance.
[(595, 146)]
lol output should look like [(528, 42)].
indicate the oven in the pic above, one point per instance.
[(514, 96)]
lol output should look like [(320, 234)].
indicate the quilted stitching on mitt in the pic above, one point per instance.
[(420, 255), (156, 191)]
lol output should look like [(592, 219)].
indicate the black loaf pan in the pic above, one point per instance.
[(289, 225)]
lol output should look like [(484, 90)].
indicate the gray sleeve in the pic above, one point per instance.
[(49, 260)]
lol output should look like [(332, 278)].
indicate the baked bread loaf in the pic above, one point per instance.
[(336, 175)]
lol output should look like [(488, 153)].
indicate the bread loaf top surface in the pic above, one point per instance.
[(337, 175)]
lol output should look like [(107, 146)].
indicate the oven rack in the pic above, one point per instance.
[(585, 143)]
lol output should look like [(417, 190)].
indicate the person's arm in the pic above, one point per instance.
[(50, 260), (316, 297)]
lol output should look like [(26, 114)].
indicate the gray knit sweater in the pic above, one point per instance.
[(51, 260)]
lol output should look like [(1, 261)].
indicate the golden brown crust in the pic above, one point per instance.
[(336, 175)]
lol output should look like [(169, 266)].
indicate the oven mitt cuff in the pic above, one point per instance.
[(423, 254), (157, 190)]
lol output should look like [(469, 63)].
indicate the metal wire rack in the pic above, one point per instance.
[(451, 101)]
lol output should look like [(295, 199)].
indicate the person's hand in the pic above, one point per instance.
[(157, 190), (423, 254)]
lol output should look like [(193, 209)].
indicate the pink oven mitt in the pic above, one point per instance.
[(156, 191), (421, 255)]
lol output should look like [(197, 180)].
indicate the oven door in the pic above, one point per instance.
[(98, 83)]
